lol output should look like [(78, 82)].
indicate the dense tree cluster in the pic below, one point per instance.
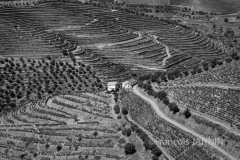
[(30, 79), (173, 74), (162, 95), (130, 149)]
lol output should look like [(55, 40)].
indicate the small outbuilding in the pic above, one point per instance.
[(232, 19), (112, 86), (129, 84)]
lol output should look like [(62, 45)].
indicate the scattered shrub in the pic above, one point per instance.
[(165, 100), (117, 109), (154, 157), (119, 117), (126, 132), (124, 111), (187, 113), (122, 141), (95, 134), (59, 148), (130, 149), (173, 107), (47, 146), (156, 151)]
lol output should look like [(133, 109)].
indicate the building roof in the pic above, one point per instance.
[(125, 82), (132, 81), (112, 83), (232, 19)]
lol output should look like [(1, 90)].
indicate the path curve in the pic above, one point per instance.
[(162, 115), (198, 113), (155, 39), (168, 56)]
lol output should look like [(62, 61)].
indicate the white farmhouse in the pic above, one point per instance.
[(112, 86), (126, 85), (129, 84)]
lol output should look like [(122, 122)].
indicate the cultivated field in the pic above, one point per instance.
[(101, 37), (215, 90), (142, 113), (79, 126), (56, 58)]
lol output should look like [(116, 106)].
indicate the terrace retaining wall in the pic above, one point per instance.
[(32, 2)]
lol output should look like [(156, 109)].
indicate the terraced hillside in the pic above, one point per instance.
[(80, 126), (215, 93), (188, 47), (56, 57), (17, 44), (143, 114), (100, 37)]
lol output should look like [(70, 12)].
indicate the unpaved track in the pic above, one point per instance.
[(213, 85), (162, 115)]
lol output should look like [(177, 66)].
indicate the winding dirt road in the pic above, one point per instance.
[(162, 115)]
